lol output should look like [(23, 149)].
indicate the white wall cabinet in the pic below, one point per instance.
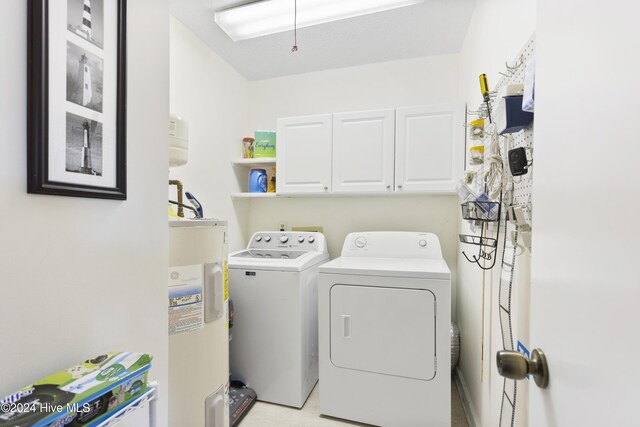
[(303, 154), (363, 151), (392, 151), (427, 150)]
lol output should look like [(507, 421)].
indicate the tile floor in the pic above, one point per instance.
[(269, 415)]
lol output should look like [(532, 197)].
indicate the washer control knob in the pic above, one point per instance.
[(284, 239), (258, 238), (422, 243), (361, 242), (300, 239), (311, 239), (267, 238)]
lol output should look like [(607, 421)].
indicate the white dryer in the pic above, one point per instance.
[(274, 288), (384, 315)]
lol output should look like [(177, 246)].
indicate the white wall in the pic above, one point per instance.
[(497, 32), (342, 215), (391, 84), (416, 81), (83, 276), (212, 97)]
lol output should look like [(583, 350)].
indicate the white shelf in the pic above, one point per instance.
[(264, 162), (341, 195), (254, 162), (252, 195)]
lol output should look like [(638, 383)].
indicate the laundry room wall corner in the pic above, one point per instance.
[(213, 98)]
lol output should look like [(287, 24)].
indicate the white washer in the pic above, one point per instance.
[(274, 288), (384, 315)]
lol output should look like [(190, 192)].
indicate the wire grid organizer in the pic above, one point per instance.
[(521, 196), (480, 211)]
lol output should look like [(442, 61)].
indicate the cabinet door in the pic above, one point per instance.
[(363, 151), (428, 149), (303, 154)]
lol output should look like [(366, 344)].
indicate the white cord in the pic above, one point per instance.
[(494, 177)]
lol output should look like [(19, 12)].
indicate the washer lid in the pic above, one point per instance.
[(267, 254), (394, 267), (297, 261)]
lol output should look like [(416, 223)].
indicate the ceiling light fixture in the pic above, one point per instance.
[(275, 16)]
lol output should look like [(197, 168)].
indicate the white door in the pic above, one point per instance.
[(303, 154), (585, 286), (363, 151), (428, 149)]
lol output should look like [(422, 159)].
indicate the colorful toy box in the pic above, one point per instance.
[(84, 395)]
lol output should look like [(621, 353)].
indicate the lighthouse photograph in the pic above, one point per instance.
[(77, 99), (86, 19), (84, 145), (84, 78)]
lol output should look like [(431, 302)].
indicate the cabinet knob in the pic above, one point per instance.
[(399, 186), (388, 187), (326, 188)]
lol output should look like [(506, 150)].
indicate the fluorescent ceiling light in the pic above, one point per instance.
[(275, 16)]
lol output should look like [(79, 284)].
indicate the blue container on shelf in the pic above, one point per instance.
[(514, 118), (257, 181)]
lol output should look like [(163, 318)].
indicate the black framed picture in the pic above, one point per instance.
[(76, 132)]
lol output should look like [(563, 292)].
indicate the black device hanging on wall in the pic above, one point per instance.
[(518, 162)]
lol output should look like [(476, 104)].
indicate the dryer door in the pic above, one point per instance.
[(384, 330)]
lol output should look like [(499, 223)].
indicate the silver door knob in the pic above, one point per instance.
[(516, 366)]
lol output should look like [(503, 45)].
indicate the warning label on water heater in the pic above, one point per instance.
[(186, 307)]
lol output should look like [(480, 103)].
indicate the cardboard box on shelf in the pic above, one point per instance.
[(265, 144)]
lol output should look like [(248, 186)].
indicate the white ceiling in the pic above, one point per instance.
[(433, 28)]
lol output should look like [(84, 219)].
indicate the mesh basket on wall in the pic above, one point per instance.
[(455, 345)]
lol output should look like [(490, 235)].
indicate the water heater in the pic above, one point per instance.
[(178, 141)]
